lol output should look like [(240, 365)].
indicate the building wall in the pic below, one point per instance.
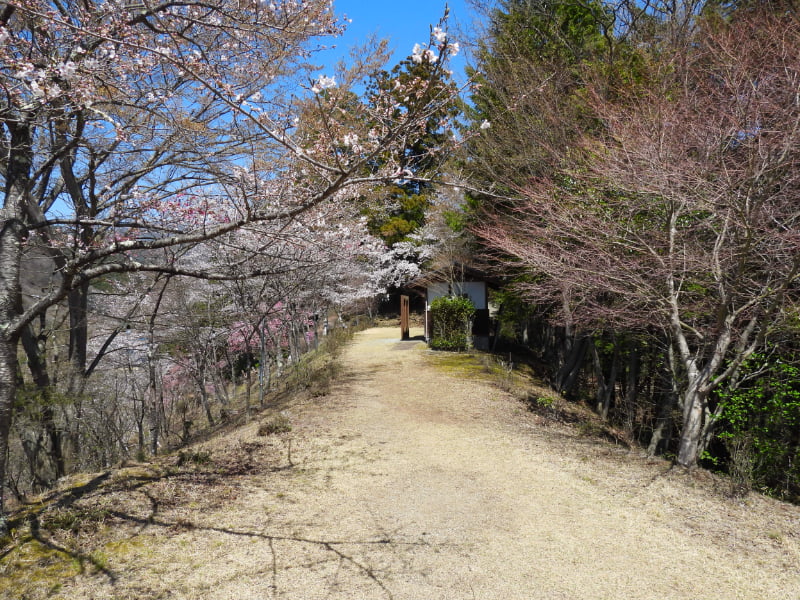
[(475, 291)]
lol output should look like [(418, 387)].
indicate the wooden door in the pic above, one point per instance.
[(404, 328)]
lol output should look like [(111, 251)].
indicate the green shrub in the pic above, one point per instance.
[(451, 322), (758, 425)]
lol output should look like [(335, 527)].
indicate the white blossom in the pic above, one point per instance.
[(37, 89), (486, 124), (68, 70), (350, 139), (420, 55), (25, 72), (324, 83), (439, 35)]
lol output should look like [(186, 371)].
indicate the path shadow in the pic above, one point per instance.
[(48, 522)]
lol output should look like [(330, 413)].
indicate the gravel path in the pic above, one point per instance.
[(414, 482)]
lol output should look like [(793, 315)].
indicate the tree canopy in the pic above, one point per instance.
[(646, 159)]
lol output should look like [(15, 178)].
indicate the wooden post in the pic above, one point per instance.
[(404, 328)]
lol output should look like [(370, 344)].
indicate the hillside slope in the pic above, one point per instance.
[(411, 480)]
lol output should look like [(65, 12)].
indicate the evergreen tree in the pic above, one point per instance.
[(421, 158)]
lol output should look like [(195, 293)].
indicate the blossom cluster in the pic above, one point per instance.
[(421, 54)]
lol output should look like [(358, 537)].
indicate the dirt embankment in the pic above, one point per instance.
[(413, 480)]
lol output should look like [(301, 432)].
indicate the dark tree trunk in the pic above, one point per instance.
[(8, 383), (566, 379), (153, 398), (632, 386), (667, 401), (605, 386), (38, 369), (78, 301)]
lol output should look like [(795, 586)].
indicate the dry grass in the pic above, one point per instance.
[(415, 476)]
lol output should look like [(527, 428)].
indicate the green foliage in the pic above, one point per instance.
[(563, 30), (451, 318), (533, 75), (452, 344), (406, 216), (424, 153), (456, 220), (760, 425), (513, 311)]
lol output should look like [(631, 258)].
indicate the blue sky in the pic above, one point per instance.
[(403, 22)]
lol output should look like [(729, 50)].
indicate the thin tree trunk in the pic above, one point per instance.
[(204, 401), (632, 387), (611, 383), (140, 439), (154, 395), (262, 366), (153, 398), (248, 384), (605, 387), (662, 431)]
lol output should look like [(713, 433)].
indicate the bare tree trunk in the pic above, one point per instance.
[(12, 233), (263, 373), (154, 397), (38, 369), (8, 381), (293, 343), (693, 402), (78, 302), (140, 439)]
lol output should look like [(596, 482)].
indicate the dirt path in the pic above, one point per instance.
[(410, 482)]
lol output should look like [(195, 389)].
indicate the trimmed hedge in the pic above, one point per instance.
[(451, 322)]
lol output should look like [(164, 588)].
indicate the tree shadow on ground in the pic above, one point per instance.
[(75, 522)]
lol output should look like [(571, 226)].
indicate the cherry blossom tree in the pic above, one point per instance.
[(135, 131)]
